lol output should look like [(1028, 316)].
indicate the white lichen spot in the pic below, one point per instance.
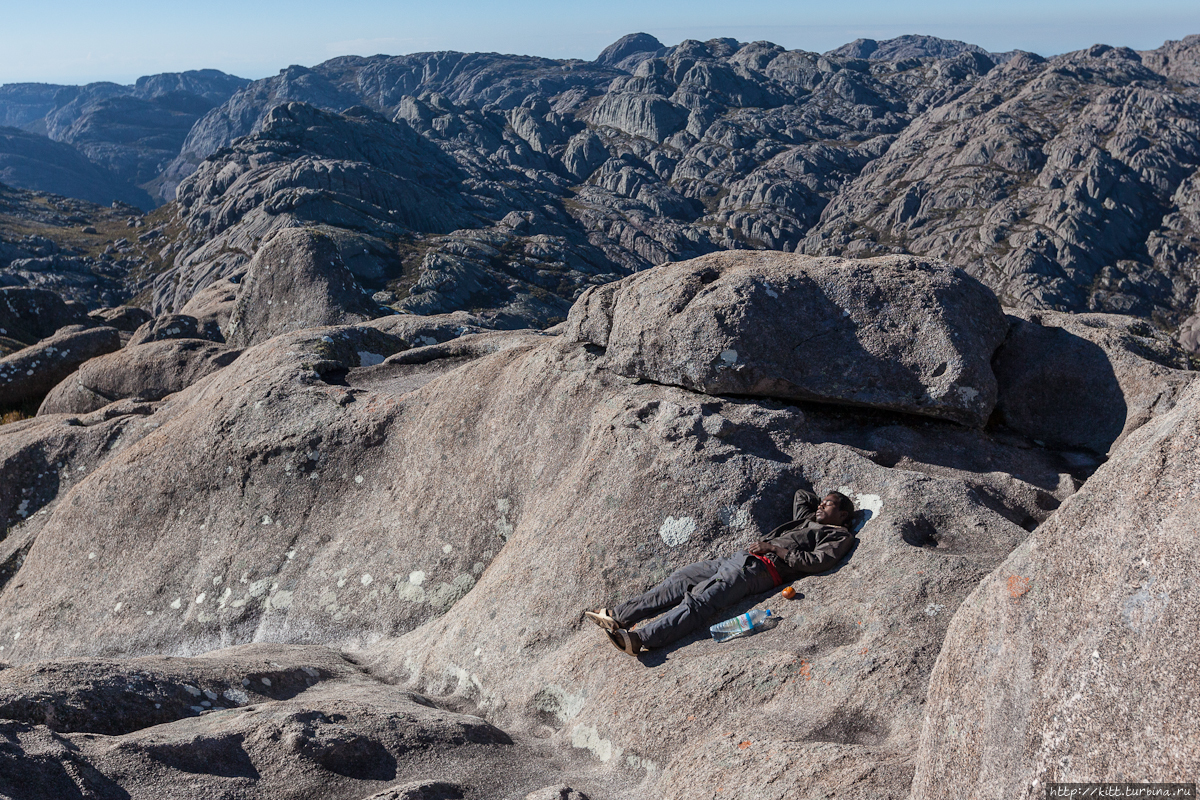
[(968, 394), (729, 357), (266, 520), (117, 607), (675, 532), (557, 701), (477, 567), (358, 478), (177, 602), (236, 696), (933, 608), (366, 579), (258, 588), (217, 581), (91, 556), (447, 548), (200, 598), (279, 600), (411, 593), (734, 517), (416, 578), (445, 595), (149, 613), (1141, 610), (504, 528), (586, 737), (224, 597), (290, 554)]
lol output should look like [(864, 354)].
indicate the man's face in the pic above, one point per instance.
[(829, 512)]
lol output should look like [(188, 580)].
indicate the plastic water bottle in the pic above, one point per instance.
[(756, 619)]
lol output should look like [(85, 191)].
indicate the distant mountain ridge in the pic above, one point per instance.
[(132, 131), (912, 46)]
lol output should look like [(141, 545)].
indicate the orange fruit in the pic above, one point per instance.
[(789, 593)]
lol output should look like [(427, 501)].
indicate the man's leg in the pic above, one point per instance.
[(666, 594), (736, 577)]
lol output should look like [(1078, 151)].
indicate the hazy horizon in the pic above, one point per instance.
[(71, 42)]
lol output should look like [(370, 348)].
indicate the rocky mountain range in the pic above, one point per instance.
[(1063, 183), (308, 474)]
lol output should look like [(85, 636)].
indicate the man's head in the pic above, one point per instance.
[(835, 509)]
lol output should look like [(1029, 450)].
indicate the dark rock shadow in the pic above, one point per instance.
[(223, 757), (1058, 388)]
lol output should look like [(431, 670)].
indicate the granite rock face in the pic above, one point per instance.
[(897, 333), (300, 496), (257, 720), (1077, 647)]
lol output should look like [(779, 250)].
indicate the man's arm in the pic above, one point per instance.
[(804, 505)]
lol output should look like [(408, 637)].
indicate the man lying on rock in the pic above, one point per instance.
[(814, 541)]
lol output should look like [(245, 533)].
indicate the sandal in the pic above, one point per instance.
[(625, 641), (604, 618)]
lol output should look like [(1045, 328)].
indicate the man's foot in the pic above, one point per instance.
[(604, 618), (625, 641)]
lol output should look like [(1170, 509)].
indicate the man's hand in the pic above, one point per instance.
[(764, 548)]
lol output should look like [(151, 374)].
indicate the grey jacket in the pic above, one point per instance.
[(810, 546)]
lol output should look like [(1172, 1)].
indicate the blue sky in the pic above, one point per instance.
[(71, 41)]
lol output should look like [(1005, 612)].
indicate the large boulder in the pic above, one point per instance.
[(1085, 381), (1189, 334), (124, 318), (143, 372), (214, 303), (30, 315), (650, 116), (296, 280), (1082, 644), (896, 332), (28, 375), (175, 326)]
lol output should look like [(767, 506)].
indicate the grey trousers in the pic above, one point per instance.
[(692, 594)]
